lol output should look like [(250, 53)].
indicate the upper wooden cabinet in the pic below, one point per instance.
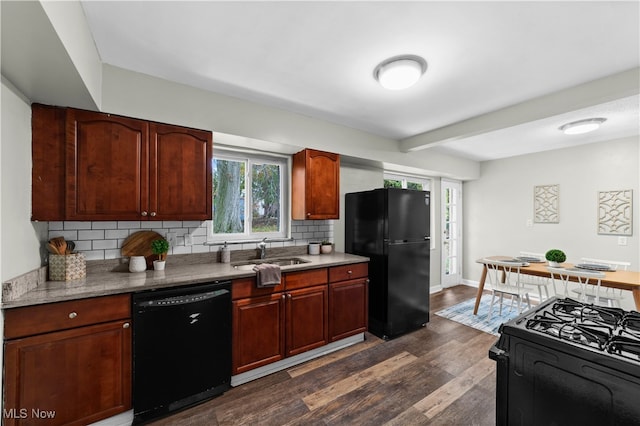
[(107, 167), (315, 186), (118, 168)]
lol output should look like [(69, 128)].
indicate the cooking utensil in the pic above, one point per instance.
[(52, 248)]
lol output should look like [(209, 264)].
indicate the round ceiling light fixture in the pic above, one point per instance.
[(582, 126), (400, 72)]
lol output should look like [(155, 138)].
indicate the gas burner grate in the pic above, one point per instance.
[(631, 322), (587, 333), (583, 312), (623, 345)]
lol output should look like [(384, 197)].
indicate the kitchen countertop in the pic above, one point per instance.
[(109, 283)]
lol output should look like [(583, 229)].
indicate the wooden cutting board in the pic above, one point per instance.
[(139, 244)]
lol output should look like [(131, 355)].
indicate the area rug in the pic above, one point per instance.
[(463, 313)]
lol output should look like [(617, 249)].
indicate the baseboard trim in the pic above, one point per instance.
[(283, 364)]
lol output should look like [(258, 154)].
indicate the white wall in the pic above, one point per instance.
[(499, 204), (20, 237), (142, 96)]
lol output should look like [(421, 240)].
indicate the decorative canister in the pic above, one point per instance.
[(137, 264), (314, 248)]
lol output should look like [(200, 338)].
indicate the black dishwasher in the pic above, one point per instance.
[(181, 347)]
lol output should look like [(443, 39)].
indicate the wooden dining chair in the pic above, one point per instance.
[(541, 284), (608, 296), (505, 278), (587, 280)]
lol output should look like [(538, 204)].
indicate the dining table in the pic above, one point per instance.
[(625, 280)]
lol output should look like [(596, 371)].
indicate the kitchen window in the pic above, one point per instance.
[(406, 182), (249, 196)]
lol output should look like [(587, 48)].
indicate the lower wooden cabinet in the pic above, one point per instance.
[(348, 300), (268, 328), (308, 310), (306, 319), (76, 375), (258, 332)]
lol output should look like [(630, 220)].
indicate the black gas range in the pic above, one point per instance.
[(569, 363)]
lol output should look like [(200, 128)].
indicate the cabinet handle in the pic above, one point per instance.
[(125, 325), (289, 295), (153, 214), (283, 296), (72, 315), (308, 214), (144, 213), (349, 272)]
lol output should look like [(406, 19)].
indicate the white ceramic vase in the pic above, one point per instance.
[(137, 264), (158, 265), (326, 248)]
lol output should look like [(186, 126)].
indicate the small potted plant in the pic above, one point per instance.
[(160, 247), (555, 257), (326, 246)]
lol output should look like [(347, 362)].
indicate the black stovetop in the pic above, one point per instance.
[(601, 334)]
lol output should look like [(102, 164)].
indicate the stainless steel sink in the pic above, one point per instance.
[(288, 261)]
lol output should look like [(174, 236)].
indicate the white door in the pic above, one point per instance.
[(451, 232)]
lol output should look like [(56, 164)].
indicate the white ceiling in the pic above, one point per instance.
[(493, 77)]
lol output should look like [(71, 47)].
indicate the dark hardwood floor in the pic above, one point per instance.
[(438, 375)]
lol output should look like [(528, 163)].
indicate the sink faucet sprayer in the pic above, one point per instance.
[(263, 248)]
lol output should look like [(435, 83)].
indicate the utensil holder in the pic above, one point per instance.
[(67, 267)]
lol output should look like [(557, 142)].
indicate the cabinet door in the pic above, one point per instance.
[(47, 164), (315, 185), (307, 321), (258, 332), (348, 312), (107, 175), (76, 376), (323, 185), (180, 173)]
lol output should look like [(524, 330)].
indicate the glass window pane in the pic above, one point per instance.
[(265, 209), (392, 183), (228, 196), (414, 185)]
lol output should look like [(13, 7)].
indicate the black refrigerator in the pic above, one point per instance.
[(391, 227)]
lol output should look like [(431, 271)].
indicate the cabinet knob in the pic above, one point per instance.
[(283, 296), (349, 272), (72, 315), (144, 213), (308, 214), (125, 325), (153, 214)]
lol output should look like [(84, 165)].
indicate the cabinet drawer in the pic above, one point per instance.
[(348, 272), (27, 321), (246, 287), (307, 278)]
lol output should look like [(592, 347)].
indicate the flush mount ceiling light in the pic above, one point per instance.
[(400, 72), (582, 126)]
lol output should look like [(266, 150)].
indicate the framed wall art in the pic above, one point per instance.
[(615, 212), (546, 200)]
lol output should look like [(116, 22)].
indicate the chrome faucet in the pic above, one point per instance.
[(263, 248)]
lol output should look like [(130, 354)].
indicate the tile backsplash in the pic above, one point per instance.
[(103, 240)]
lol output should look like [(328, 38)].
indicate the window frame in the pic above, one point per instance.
[(250, 158), (409, 178)]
